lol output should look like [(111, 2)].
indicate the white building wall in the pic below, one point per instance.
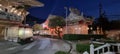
[(13, 33)]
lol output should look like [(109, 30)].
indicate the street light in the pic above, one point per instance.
[(66, 8)]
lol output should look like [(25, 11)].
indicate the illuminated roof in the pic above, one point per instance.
[(21, 2)]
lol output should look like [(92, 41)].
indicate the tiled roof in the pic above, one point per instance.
[(21, 2)]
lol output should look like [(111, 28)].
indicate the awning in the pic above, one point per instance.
[(4, 22)]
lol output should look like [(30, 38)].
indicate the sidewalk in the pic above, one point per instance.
[(7, 44), (7, 47)]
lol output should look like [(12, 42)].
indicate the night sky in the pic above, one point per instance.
[(88, 7)]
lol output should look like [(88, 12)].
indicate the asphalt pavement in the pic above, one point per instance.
[(40, 46)]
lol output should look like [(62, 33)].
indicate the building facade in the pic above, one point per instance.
[(76, 23), (11, 19)]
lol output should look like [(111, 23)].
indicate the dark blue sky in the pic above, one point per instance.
[(88, 7)]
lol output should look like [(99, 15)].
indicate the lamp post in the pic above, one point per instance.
[(66, 10)]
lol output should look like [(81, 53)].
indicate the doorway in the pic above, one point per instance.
[(2, 29)]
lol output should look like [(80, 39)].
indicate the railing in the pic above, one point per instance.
[(9, 16), (118, 47), (92, 50), (104, 48)]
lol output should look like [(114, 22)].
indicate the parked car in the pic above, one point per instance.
[(26, 40)]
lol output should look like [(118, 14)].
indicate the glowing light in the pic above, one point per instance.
[(61, 29), (44, 26), (79, 28), (12, 9), (91, 28), (87, 28), (21, 32), (15, 11), (76, 28), (19, 13), (0, 9), (0, 4), (25, 32)]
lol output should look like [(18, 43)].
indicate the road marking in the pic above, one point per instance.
[(30, 46), (12, 48)]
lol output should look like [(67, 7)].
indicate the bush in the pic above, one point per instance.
[(84, 47), (82, 36), (61, 52)]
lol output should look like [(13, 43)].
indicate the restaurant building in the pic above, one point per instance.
[(11, 19)]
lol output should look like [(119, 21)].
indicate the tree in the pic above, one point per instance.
[(115, 24), (37, 27), (103, 24), (57, 23)]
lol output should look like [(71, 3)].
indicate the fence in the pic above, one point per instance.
[(104, 48)]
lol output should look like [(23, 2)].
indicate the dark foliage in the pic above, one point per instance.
[(56, 21), (31, 19), (84, 47), (82, 36), (61, 52), (103, 23), (25, 41), (115, 24)]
